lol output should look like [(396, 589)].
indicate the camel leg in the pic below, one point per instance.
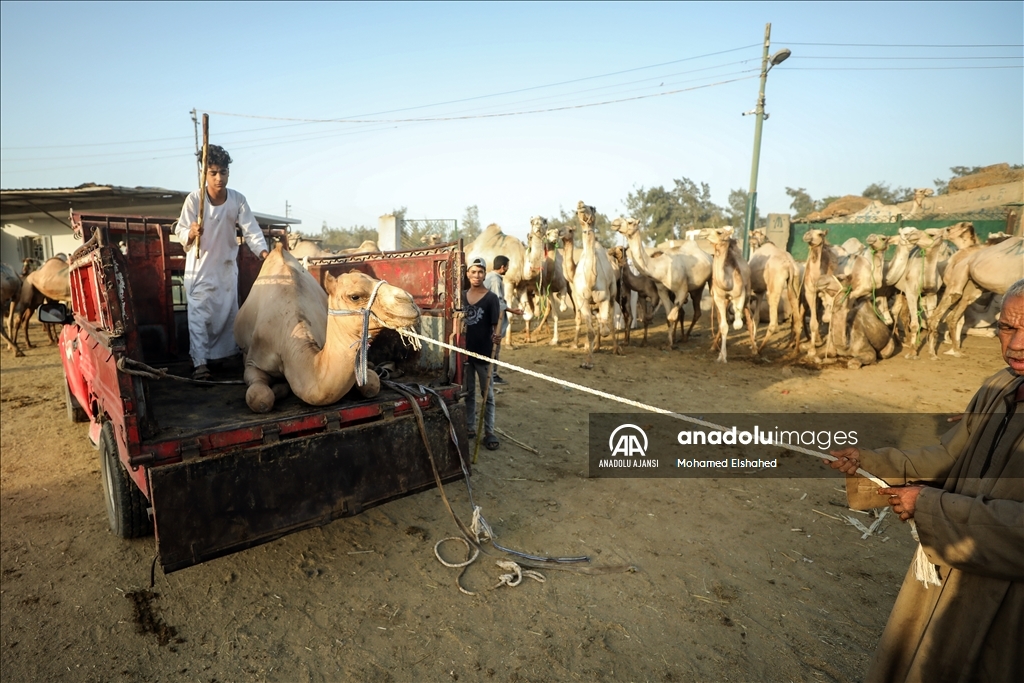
[(554, 337), (588, 364), (774, 298), (915, 324), (695, 298), (628, 319), (721, 305), (752, 328), (259, 396), (955, 320), (372, 386), (609, 314), (10, 344)]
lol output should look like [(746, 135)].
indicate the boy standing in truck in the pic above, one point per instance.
[(211, 266)]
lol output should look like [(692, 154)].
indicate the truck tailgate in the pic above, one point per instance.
[(213, 506)]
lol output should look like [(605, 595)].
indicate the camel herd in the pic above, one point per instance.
[(847, 302), (844, 302)]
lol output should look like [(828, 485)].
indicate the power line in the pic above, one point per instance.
[(789, 42), (484, 116), (900, 68), (802, 57)]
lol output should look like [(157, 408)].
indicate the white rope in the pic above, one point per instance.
[(626, 401), (924, 571)]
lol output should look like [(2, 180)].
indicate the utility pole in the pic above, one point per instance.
[(759, 117), (287, 209)]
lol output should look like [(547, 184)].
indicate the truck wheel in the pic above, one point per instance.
[(75, 411), (126, 506)]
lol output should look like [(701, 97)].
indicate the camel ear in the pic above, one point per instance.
[(330, 282)]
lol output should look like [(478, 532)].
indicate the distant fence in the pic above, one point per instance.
[(985, 223)]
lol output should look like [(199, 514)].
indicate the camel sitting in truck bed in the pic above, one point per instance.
[(290, 328)]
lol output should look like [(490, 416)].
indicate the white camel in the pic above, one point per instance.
[(774, 273), (730, 283), (290, 328), (667, 269), (594, 286)]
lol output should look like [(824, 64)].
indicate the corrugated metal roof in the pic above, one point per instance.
[(90, 197)]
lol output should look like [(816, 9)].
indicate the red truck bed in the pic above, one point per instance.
[(195, 462)]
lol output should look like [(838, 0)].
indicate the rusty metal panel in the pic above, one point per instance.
[(215, 506)]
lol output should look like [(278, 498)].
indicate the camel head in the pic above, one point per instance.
[(878, 243), (815, 237), (567, 234), (619, 255), (719, 236), (538, 225), (586, 214), (626, 227), (962, 234), (28, 265), (936, 235), (392, 307), (430, 240), (757, 238)]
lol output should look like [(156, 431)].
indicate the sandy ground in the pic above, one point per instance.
[(736, 580)]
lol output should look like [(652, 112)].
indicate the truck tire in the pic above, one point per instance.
[(126, 506), (75, 411)]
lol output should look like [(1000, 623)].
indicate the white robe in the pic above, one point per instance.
[(211, 281)]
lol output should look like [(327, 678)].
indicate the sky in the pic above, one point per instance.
[(530, 106)]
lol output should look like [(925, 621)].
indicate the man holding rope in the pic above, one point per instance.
[(970, 518), (211, 266)]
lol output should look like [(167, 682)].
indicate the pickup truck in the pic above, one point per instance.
[(192, 463)]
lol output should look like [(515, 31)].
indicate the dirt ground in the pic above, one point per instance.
[(736, 580)]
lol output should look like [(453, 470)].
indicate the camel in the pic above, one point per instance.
[(730, 282), (821, 265), (773, 272), (290, 328), (567, 235), (493, 242), (549, 283), (594, 286), (630, 282), (50, 282), (698, 275), (969, 273), (920, 282), (667, 270), (366, 247), (856, 332), (10, 289)]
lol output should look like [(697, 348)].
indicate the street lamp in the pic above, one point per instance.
[(766, 65)]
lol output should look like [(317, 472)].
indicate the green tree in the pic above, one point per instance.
[(887, 195), (695, 210), (656, 210), (802, 204), (470, 228), (736, 212)]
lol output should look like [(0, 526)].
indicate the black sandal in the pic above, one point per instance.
[(491, 442), (202, 373)]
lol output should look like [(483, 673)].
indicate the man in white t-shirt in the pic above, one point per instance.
[(211, 267)]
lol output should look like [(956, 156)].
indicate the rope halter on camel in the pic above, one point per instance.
[(364, 337)]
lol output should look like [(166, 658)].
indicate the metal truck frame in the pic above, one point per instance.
[(193, 463)]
